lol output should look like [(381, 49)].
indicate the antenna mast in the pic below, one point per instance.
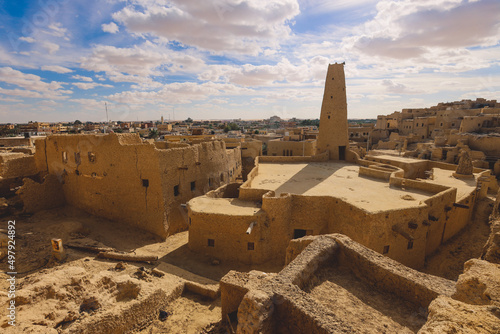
[(106, 106)]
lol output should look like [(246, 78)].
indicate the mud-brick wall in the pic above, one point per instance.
[(279, 211), (120, 177), (17, 165), (112, 176), (193, 171), (291, 148), (228, 232)]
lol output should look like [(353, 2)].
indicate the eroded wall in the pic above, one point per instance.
[(122, 178)]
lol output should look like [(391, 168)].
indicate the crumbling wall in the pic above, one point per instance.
[(41, 196), (122, 178), (9, 142), (276, 303), (193, 171), (14, 165)]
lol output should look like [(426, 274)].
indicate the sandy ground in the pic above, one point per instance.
[(190, 314), (53, 292), (448, 261), (366, 309)]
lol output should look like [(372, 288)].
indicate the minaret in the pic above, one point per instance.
[(333, 135)]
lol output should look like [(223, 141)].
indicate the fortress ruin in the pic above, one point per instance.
[(209, 236)]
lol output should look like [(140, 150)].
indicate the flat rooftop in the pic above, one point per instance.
[(336, 179), (229, 206), (446, 178)]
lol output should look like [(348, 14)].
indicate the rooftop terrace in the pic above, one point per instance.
[(336, 179)]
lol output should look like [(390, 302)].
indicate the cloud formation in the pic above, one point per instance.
[(242, 26)]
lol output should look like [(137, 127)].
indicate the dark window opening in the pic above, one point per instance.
[(410, 244), (145, 183), (291, 153), (331, 97), (222, 177), (328, 116), (78, 160), (176, 190), (341, 152), (193, 186), (209, 181), (299, 233), (211, 243), (386, 249), (250, 246)]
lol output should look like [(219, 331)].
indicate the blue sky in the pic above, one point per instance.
[(61, 60)]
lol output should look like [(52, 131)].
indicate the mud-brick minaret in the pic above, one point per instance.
[(333, 135)]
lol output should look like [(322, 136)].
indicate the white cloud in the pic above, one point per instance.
[(139, 63), (398, 88), (81, 77), (179, 92), (50, 47), (32, 85), (56, 68), (56, 29), (27, 39), (242, 26), (111, 27), (89, 85), (410, 29)]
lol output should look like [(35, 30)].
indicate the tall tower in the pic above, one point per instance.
[(333, 135)]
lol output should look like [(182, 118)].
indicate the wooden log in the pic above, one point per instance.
[(93, 249), (127, 257)]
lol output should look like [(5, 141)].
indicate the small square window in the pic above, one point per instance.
[(410, 244), (193, 186), (145, 183), (250, 246), (386, 249), (176, 190), (211, 243)]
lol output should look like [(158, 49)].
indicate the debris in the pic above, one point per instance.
[(120, 266)]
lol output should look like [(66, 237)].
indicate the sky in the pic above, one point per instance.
[(62, 60)]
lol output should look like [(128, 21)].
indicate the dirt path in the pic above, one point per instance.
[(448, 261)]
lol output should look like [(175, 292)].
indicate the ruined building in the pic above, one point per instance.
[(122, 178), (391, 206)]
